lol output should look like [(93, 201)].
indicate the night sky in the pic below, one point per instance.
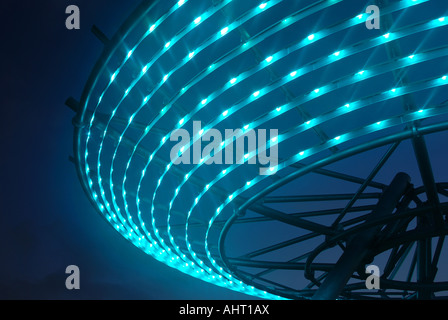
[(46, 221)]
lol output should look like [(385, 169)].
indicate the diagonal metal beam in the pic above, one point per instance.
[(343, 176), (294, 221), (358, 246), (320, 197)]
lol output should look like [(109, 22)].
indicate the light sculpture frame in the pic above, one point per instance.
[(173, 62)]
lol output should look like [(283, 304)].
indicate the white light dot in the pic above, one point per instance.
[(224, 31)]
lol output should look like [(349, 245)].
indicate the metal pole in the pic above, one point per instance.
[(358, 247)]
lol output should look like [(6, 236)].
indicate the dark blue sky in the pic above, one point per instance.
[(46, 221)]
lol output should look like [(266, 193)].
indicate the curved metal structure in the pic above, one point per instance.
[(354, 107)]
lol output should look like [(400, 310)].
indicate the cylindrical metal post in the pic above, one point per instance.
[(358, 246)]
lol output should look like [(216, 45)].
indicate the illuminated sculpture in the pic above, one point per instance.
[(344, 98)]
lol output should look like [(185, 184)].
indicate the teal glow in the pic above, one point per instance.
[(113, 203)]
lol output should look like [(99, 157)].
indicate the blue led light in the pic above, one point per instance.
[(224, 31)]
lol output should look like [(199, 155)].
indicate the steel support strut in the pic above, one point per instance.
[(358, 247)]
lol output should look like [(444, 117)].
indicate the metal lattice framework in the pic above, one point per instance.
[(346, 100)]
